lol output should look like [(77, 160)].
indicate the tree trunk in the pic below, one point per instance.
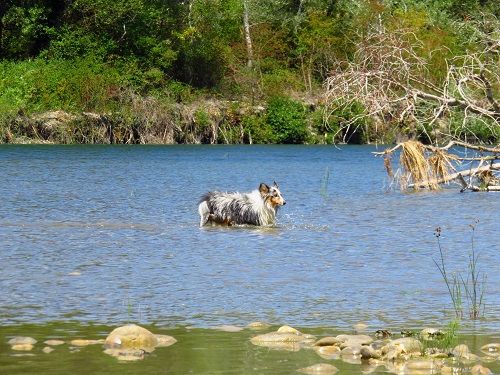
[(248, 38)]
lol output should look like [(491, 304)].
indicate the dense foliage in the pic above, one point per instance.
[(154, 68)]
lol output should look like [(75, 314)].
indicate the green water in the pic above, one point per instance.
[(197, 351)]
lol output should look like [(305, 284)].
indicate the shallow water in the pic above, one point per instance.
[(109, 234), (197, 351)]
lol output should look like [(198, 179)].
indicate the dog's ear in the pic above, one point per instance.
[(275, 185), (263, 188)]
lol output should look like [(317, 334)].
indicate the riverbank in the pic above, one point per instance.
[(204, 121), (243, 350)]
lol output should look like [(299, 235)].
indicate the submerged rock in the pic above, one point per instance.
[(228, 328), (492, 350), (419, 366), (165, 340), (360, 327), (319, 369), (258, 325), (367, 352), (461, 350), (53, 342), (22, 347), (288, 329), (285, 338), (328, 352), (354, 340), (132, 342), (401, 349), (131, 337), (328, 341), (480, 370), (48, 350), (22, 340)]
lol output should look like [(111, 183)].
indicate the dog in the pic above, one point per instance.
[(258, 207)]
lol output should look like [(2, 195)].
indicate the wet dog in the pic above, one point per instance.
[(258, 207)]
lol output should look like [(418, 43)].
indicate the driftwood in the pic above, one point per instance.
[(429, 167)]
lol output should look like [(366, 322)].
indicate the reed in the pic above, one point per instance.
[(452, 281), (472, 286), (475, 282)]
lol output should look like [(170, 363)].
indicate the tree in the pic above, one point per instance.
[(392, 77)]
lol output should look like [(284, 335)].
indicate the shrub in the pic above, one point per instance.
[(287, 120)]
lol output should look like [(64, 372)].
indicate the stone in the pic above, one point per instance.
[(354, 340), (131, 337), (406, 345), (228, 328), (328, 352), (492, 349), (447, 370), (21, 340), (367, 352), (47, 350), (351, 351), (428, 365), (328, 341), (165, 340), (53, 342), (319, 369), (480, 370), (360, 327), (22, 347), (258, 325), (461, 350), (288, 329)]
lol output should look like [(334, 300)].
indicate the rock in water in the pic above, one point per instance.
[(131, 337), (319, 369), (165, 340), (53, 342), (22, 340)]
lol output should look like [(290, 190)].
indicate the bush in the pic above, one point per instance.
[(287, 120), (258, 129)]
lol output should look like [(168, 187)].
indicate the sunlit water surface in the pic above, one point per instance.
[(107, 235)]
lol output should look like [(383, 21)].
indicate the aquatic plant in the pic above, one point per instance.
[(452, 282), (472, 286)]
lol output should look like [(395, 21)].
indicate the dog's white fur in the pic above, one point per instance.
[(258, 207)]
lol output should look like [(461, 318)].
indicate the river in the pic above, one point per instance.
[(105, 235)]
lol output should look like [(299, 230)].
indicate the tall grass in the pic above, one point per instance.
[(451, 281), (475, 282), (471, 287)]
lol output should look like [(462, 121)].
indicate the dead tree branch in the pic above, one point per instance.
[(389, 76)]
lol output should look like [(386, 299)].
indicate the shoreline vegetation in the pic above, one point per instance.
[(249, 71)]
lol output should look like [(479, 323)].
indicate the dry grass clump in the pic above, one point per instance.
[(440, 164), (422, 167), (414, 164)]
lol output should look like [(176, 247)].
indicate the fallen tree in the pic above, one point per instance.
[(429, 167)]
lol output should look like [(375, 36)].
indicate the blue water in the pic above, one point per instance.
[(108, 234)]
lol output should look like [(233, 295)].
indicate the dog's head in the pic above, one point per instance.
[(272, 195)]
